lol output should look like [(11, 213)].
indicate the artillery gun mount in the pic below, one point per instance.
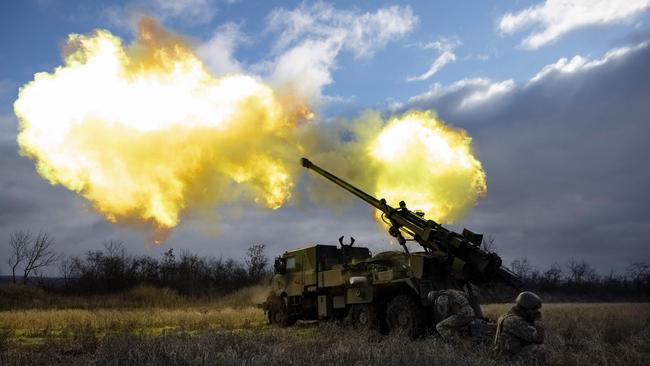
[(388, 291)]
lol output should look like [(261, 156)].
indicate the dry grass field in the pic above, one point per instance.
[(163, 329)]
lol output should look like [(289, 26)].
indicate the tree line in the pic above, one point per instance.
[(112, 269), (578, 280)]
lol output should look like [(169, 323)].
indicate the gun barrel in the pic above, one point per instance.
[(473, 263), (507, 276), (345, 185)]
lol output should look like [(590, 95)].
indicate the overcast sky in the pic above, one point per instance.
[(555, 94)]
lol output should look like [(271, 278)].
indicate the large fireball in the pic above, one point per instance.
[(429, 165), (143, 131)]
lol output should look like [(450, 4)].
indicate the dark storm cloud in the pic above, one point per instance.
[(566, 159)]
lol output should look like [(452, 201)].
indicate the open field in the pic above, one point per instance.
[(230, 331)]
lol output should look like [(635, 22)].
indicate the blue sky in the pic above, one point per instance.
[(587, 59)]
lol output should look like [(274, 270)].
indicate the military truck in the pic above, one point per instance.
[(389, 291)]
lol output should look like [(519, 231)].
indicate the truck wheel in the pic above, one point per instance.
[(278, 315), (363, 316), (404, 315)]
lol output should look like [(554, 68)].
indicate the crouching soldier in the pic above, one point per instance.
[(454, 309), (520, 333)]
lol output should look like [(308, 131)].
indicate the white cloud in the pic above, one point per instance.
[(442, 60), (442, 44), (339, 99), (217, 52), (561, 66), (313, 35), (579, 63), (557, 17), (310, 37), (467, 93), (445, 47), (488, 91), (362, 33), (306, 68)]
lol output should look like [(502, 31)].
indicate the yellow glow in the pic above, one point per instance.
[(144, 132), (429, 165)]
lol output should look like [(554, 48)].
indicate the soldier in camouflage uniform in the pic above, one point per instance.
[(520, 332), (453, 307)]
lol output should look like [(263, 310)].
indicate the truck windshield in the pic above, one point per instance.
[(291, 263)]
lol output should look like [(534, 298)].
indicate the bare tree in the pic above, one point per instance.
[(19, 243), (115, 249), (256, 261), (639, 273), (67, 269), (553, 275), (40, 254), (522, 267), (489, 245), (580, 271)]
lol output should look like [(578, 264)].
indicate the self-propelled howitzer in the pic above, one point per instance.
[(466, 260)]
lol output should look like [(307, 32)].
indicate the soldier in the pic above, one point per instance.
[(453, 307), (520, 332)]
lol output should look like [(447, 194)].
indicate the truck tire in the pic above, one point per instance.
[(404, 315), (278, 315), (363, 316)]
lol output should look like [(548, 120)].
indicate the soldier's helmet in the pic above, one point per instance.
[(529, 301)]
